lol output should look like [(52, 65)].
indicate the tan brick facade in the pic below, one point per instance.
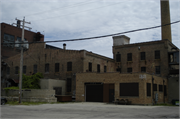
[(116, 79)]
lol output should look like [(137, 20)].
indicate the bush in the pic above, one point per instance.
[(32, 82)]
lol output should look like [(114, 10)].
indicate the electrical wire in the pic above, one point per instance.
[(96, 37)]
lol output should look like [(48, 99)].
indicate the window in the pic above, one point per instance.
[(143, 56), (157, 54), (16, 69), (158, 71), (68, 84), (98, 68), (129, 89), (56, 67), (24, 69), (165, 91), (129, 70), (148, 89), (35, 68), (104, 68), (160, 88), (143, 69), (118, 57), (90, 66), (69, 66), (8, 70), (8, 38), (129, 57), (154, 87), (19, 39), (46, 68)]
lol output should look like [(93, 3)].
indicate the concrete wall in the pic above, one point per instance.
[(50, 83), (116, 79), (173, 90), (35, 95)]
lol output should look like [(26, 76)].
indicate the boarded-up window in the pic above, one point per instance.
[(56, 67), (69, 66), (148, 89), (24, 69), (98, 68), (16, 69), (46, 68), (165, 90), (129, 89), (154, 87), (161, 88), (118, 57), (90, 66), (35, 68), (129, 57), (143, 56), (69, 83)]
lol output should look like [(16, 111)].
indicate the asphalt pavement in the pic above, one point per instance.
[(82, 110)]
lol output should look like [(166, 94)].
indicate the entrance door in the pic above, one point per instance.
[(94, 93), (111, 95)]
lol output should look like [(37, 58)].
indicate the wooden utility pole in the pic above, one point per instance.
[(21, 61)]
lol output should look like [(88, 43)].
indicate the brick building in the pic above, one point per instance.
[(57, 63), (131, 60), (138, 88), (10, 33)]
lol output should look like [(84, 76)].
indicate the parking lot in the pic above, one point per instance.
[(88, 110)]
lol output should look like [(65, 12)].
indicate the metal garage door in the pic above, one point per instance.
[(94, 93)]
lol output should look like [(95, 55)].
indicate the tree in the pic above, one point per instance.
[(32, 82)]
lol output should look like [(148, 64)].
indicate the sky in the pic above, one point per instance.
[(73, 19)]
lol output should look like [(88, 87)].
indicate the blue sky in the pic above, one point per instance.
[(69, 19)]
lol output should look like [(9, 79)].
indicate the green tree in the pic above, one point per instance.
[(32, 82)]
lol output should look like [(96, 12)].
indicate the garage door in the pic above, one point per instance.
[(94, 93)]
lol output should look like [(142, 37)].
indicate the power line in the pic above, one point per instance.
[(77, 12), (96, 37)]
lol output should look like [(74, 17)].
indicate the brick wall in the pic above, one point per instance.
[(117, 78)]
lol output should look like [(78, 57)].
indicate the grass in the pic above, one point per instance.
[(32, 103)]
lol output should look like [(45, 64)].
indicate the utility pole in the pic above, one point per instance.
[(21, 61)]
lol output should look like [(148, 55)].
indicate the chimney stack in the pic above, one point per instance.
[(165, 19), (64, 46)]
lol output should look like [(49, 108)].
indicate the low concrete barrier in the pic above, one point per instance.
[(30, 95)]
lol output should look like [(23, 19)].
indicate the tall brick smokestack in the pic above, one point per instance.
[(165, 19)]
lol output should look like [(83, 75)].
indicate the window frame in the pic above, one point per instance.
[(47, 68), (158, 69), (128, 70), (90, 67), (69, 66), (98, 68), (143, 55), (57, 67), (35, 68), (129, 57), (118, 57), (105, 69), (24, 69), (143, 69), (69, 85), (157, 54), (16, 70)]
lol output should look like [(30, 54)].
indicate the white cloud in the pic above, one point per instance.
[(69, 19)]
